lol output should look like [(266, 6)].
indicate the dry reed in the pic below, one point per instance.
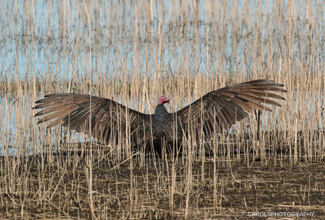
[(133, 52)]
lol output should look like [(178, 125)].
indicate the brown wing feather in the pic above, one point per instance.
[(109, 119), (220, 109)]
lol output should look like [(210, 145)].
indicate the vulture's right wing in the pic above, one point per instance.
[(109, 119)]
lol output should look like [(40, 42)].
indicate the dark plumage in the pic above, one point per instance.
[(111, 121)]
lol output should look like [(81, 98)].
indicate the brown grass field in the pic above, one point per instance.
[(133, 52)]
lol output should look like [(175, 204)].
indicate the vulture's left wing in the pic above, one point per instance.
[(220, 109)]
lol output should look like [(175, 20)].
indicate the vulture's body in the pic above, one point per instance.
[(112, 122)]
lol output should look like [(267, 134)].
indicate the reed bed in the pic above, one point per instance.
[(133, 52)]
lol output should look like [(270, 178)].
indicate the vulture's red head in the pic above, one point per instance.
[(162, 100)]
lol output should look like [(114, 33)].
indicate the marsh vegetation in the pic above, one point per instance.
[(133, 52)]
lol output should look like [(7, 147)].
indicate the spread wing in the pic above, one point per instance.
[(109, 119), (220, 109)]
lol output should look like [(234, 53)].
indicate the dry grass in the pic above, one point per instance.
[(133, 52)]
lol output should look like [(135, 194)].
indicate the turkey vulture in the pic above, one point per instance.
[(111, 121)]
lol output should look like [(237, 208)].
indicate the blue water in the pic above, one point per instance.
[(114, 45)]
